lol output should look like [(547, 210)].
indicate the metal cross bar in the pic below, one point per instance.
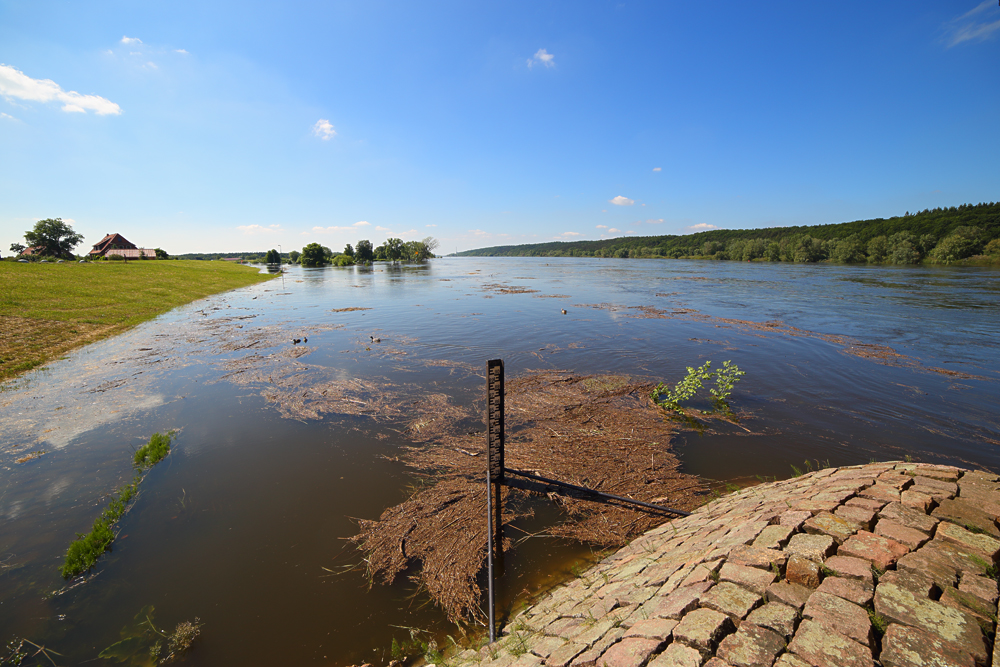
[(584, 489)]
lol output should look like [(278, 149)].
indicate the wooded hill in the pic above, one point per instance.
[(939, 235)]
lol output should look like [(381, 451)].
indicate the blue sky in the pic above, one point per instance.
[(213, 126)]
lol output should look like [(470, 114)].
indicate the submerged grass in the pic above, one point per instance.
[(153, 452), (49, 309), (84, 551)]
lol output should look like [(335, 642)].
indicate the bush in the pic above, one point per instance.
[(961, 243), (878, 250)]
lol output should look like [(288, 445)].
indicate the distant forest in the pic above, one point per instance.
[(968, 234), (256, 256)]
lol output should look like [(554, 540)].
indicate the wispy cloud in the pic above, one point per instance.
[(7, 116), (324, 130), (650, 221), (701, 227), (379, 228), (602, 226), (566, 236), (621, 201), (976, 25), (657, 168), (333, 229), (542, 57), (184, 51), (613, 230), (430, 225), (257, 230), (15, 84), (131, 40)]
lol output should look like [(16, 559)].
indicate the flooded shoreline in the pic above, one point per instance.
[(252, 511)]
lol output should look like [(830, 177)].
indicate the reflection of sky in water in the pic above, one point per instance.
[(249, 496)]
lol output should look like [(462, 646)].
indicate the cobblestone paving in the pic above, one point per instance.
[(888, 563)]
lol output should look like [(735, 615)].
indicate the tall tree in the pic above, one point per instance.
[(363, 251), (312, 255), (393, 249), (348, 250), (273, 257), (55, 237)]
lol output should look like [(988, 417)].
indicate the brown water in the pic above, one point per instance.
[(245, 524)]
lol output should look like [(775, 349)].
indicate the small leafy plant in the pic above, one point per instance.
[(725, 379)]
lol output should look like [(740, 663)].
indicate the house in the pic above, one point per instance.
[(116, 244), (33, 250)]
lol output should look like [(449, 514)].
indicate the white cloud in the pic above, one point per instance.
[(657, 168), (379, 228), (621, 201), (333, 229), (604, 210), (15, 84), (324, 130), (701, 226), (650, 221), (614, 231), (6, 115), (567, 236), (430, 225), (254, 230), (602, 226), (630, 231), (542, 57), (976, 25), (131, 40), (184, 51)]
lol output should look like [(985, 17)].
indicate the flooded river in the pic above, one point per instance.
[(246, 524)]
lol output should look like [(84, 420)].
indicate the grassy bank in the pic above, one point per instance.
[(49, 309)]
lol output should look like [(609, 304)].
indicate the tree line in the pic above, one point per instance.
[(941, 235), (391, 250)]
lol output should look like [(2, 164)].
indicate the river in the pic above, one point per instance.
[(245, 524)]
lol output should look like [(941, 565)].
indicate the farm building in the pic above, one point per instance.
[(116, 244)]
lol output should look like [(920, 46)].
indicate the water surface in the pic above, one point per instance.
[(245, 524)]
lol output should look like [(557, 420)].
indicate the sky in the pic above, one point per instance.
[(238, 126)]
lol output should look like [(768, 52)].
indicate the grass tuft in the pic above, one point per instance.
[(154, 451), (84, 551)]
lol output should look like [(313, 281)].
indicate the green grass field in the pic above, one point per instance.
[(48, 309)]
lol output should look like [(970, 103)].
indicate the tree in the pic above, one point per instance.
[(420, 251), (363, 251), (16, 248), (161, 253), (312, 255), (878, 250), (393, 249), (348, 250), (55, 237), (961, 243), (272, 257), (293, 257)]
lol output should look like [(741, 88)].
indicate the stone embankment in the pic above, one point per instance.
[(888, 563)]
